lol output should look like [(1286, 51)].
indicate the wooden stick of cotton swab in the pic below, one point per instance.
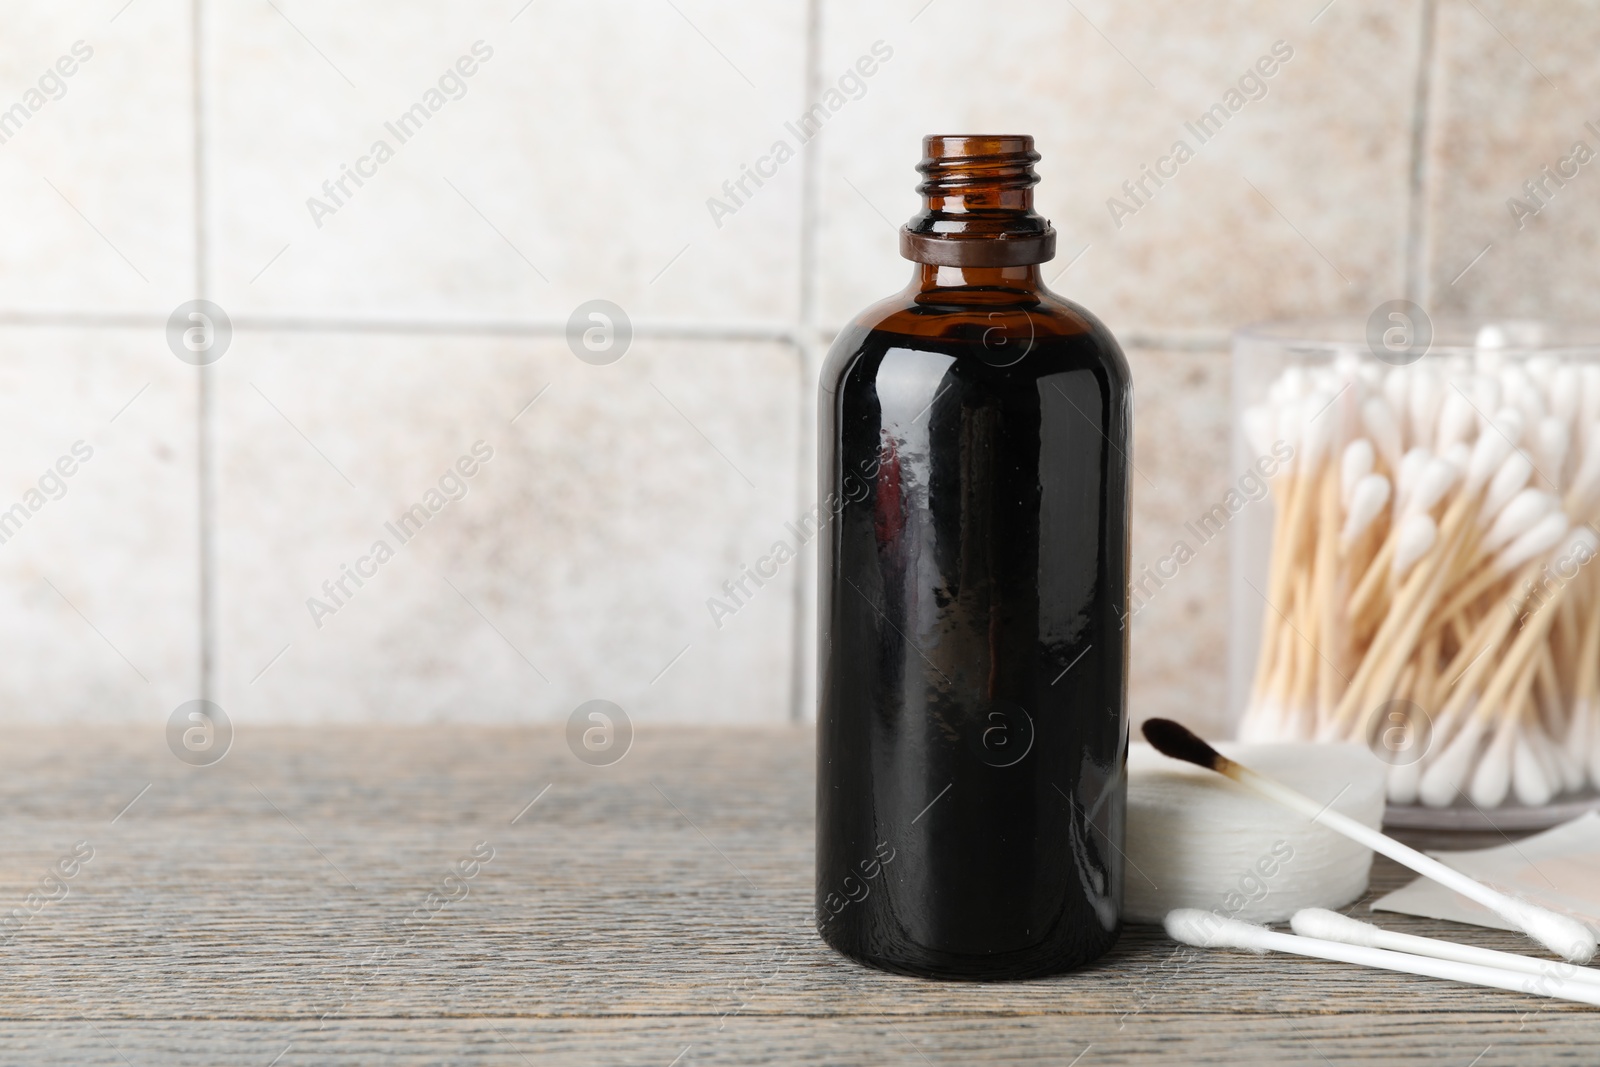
[(1403, 624), (1261, 427), (1528, 527), (1206, 930), (1274, 688), (1444, 776), (1331, 926), (1421, 488), (1565, 936), (1583, 739), (1427, 595), (1368, 498)]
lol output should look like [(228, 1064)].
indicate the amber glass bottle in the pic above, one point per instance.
[(972, 731)]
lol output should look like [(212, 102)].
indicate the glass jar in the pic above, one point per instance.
[(1420, 582)]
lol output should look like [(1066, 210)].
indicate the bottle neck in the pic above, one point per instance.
[(977, 206), (1024, 280)]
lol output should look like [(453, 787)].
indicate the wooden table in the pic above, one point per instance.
[(652, 912)]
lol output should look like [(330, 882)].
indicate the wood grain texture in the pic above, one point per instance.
[(632, 912)]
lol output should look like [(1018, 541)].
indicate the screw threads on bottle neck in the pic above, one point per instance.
[(978, 204)]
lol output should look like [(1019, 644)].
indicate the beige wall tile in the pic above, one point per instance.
[(98, 587), (1327, 147), (1514, 89), (1178, 648), (115, 143), (577, 164), (612, 509)]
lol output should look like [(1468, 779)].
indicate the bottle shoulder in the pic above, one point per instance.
[(990, 327)]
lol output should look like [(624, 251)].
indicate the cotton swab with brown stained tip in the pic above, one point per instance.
[(1562, 935), (1204, 929)]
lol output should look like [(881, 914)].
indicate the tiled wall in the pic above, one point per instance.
[(569, 155)]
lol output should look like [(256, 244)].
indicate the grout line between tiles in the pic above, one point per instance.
[(1416, 248), (802, 635), (205, 401), (809, 168), (1196, 340), (83, 320), (645, 329), (814, 337)]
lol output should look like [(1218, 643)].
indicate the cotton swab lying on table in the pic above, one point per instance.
[(1331, 926), (1562, 935), (1203, 929)]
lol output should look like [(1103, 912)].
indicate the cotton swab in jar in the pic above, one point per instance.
[(1551, 440), (1423, 525), (1367, 501), (1424, 402), (1540, 538), (1204, 929), (1584, 489), (1378, 417), (1443, 778), (1526, 542), (1436, 478), (1355, 463), (1416, 536), (1506, 484), (1457, 421), (1567, 937), (1486, 471)]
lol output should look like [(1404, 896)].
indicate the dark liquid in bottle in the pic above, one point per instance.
[(971, 727)]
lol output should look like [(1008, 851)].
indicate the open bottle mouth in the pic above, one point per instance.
[(977, 211)]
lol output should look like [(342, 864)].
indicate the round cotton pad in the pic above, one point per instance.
[(1197, 840)]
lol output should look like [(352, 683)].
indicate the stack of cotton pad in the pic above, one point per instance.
[(1197, 840)]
